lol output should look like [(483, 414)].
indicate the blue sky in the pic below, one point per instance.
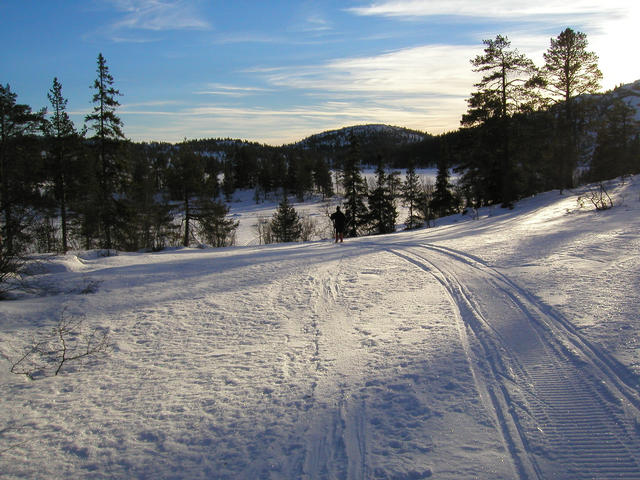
[(277, 71)]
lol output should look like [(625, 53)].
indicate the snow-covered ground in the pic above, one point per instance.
[(499, 348)]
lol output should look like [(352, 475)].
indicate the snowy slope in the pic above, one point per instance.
[(499, 348)]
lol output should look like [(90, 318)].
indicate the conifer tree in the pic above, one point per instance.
[(285, 224), (64, 153), (382, 210), (355, 190), (443, 201), (504, 90), (214, 225), (151, 216), (107, 128), (322, 177), (570, 71), (411, 197), (615, 153), (228, 181), (186, 181), (19, 170)]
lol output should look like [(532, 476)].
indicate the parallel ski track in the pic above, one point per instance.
[(566, 409)]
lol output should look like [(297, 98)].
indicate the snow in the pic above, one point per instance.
[(499, 348)]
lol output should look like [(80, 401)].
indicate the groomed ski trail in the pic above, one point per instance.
[(564, 406), (382, 400)]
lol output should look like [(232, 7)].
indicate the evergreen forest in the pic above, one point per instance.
[(527, 129)]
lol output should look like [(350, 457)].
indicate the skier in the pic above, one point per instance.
[(339, 222)]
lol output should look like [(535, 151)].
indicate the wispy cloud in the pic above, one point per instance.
[(431, 69), (278, 126), (159, 15), (230, 90), (608, 24), (247, 37), (506, 9)]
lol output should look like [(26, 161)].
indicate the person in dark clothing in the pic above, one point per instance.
[(339, 222)]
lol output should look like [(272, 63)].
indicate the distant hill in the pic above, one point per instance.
[(375, 140), (373, 133)]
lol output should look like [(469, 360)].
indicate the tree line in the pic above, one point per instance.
[(530, 129), (527, 129), (64, 188)]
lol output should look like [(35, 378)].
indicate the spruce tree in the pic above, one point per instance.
[(443, 201), (19, 170), (151, 216), (355, 191), (615, 153), (186, 181), (64, 152), (285, 224), (108, 134), (382, 210), (214, 225), (322, 177), (569, 71), (411, 195)]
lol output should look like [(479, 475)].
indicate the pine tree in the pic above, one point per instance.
[(19, 170), (504, 90), (186, 179), (569, 71), (322, 177), (151, 217), (64, 153), (285, 224), (411, 197), (107, 128), (382, 210), (443, 201), (228, 181), (214, 225), (355, 191), (615, 153)]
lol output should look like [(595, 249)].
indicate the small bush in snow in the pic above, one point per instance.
[(598, 197), (69, 340)]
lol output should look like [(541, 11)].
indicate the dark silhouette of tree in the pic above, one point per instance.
[(19, 169), (382, 209), (65, 153), (443, 201), (411, 195), (569, 72), (616, 151), (108, 134), (355, 191), (504, 90), (285, 224)]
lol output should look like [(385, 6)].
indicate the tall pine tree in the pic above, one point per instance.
[(504, 90), (19, 170), (569, 71), (411, 197), (443, 201), (355, 190), (108, 134), (64, 152), (382, 209)]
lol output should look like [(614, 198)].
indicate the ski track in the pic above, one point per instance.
[(564, 407)]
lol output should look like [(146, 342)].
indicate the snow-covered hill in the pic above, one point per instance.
[(364, 133), (499, 348)]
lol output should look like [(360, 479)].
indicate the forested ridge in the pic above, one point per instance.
[(527, 129)]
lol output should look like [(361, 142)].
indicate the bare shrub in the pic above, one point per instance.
[(598, 197), (263, 229), (69, 340)]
